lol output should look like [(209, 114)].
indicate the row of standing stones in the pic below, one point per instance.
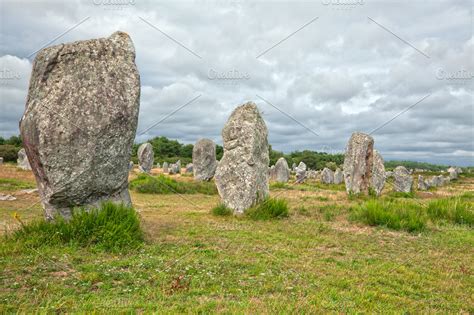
[(80, 122)]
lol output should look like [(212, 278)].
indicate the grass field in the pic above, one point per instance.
[(331, 254)]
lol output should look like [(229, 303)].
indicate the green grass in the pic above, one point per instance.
[(221, 210), (454, 210), (400, 194), (308, 186), (394, 215), (110, 227), (165, 185), (10, 184), (270, 208)]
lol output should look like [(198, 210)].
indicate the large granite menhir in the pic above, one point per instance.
[(204, 160), (358, 163), (80, 121), (242, 173)]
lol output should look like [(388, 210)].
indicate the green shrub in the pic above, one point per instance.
[(111, 227), (162, 184), (456, 210), (221, 210), (9, 152), (270, 208), (394, 215)]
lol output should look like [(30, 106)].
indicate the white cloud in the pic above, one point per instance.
[(339, 74)]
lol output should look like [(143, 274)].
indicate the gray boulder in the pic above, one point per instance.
[(378, 173), (189, 168), (204, 160), (300, 173), (453, 173), (130, 165), (165, 167), (242, 173), (403, 181), (338, 176), (358, 163), (158, 165), (327, 176), (22, 161), (178, 167), (80, 122), (281, 172), (388, 174), (145, 157), (436, 181), (422, 183)]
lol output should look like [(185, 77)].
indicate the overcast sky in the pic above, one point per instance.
[(318, 70)]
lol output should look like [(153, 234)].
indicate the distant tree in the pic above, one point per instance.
[(219, 152), (14, 140)]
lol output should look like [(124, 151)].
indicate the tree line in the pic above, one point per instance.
[(172, 150)]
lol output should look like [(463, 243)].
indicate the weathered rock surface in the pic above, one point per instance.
[(22, 161), (338, 176), (281, 172), (145, 157), (388, 174), (300, 173), (453, 173), (7, 197), (403, 180), (189, 168), (178, 167), (131, 165), (327, 176), (378, 173), (80, 122), (422, 183), (436, 181), (204, 160), (242, 173), (165, 167), (358, 163)]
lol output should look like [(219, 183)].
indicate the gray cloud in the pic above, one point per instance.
[(339, 74)]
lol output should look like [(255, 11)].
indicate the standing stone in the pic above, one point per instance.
[(453, 173), (281, 172), (204, 160), (271, 173), (165, 167), (145, 157), (327, 176), (378, 173), (1, 160), (436, 181), (311, 174), (22, 161), (338, 176), (80, 121), (173, 169), (242, 173), (300, 173), (158, 165), (388, 174), (422, 183), (178, 167), (403, 180), (130, 165), (189, 168), (293, 167), (358, 163)]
